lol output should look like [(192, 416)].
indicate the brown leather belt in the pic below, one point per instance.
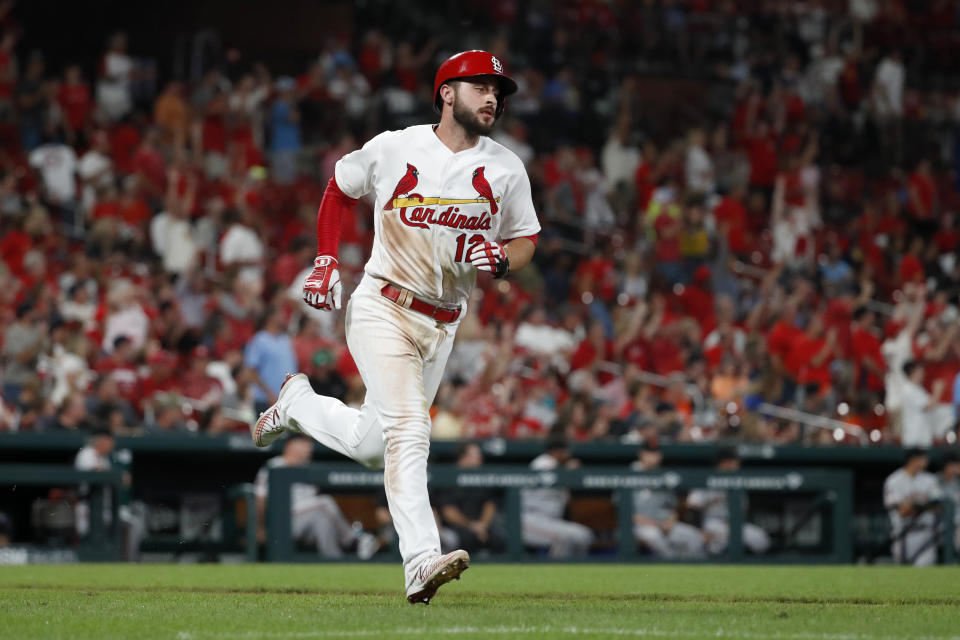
[(406, 299)]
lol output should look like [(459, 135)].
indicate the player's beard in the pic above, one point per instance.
[(469, 120)]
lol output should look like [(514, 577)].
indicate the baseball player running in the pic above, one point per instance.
[(449, 202)]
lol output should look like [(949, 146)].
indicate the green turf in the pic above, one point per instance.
[(206, 602)]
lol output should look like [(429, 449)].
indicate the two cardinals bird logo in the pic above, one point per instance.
[(407, 184), (409, 181), (483, 188)]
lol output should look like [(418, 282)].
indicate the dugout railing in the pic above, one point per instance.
[(832, 491), (104, 541)]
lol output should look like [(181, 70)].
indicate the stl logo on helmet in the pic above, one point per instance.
[(421, 215), (497, 66)]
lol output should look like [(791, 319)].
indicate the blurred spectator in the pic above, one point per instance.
[(887, 102), (715, 512), (868, 358), (285, 128), (96, 170), (924, 417), (77, 103), (71, 416), (114, 98), (543, 509), (922, 203), (202, 390), (324, 377), (57, 164), (172, 114), (31, 105), (242, 249), (907, 496), (352, 89), (316, 518), (109, 409), (8, 75), (66, 362), (270, 354), (172, 233), (700, 178), (23, 342), (125, 316)]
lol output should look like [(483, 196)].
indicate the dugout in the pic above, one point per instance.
[(192, 485)]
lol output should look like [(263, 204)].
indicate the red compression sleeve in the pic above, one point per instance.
[(334, 206)]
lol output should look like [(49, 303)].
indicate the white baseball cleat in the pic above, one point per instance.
[(435, 572), (268, 427)]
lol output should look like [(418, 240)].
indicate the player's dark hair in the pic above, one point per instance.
[(294, 437), (650, 444), (556, 442), (727, 453), (916, 452), (463, 448)]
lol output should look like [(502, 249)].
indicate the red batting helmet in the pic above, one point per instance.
[(471, 64)]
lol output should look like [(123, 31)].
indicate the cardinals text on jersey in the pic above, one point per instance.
[(433, 205)]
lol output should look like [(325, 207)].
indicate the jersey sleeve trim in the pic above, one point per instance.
[(534, 238)]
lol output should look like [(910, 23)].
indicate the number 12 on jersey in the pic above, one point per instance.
[(461, 244)]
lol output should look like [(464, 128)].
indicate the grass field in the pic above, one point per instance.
[(213, 602)]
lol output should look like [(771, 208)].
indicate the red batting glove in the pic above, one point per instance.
[(322, 288), (491, 257)]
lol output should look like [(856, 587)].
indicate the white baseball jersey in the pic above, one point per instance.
[(545, 501), (432, 205), (301, 495), (919, 489)]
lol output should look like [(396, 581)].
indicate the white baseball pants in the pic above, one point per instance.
[(566, 539), (919, 545), (682, 541), (323, 524), (401, 355), (754, 538)]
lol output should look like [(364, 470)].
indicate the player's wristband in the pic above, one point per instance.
[(503, 268)]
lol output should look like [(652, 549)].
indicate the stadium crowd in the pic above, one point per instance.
[(742, 220)]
